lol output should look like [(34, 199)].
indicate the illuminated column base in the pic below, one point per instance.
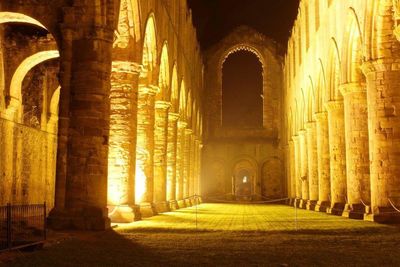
[(124, 213), (303, 169), (337, 148), (323, 161), (160, 156), (357, 150), (383, 86), (312, 165)]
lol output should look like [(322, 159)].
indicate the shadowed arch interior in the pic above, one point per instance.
[(242, 89)]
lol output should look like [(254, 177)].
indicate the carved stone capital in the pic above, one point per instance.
[(173, 117), (162, 105), (310, 125), (182, 124), (126, 67), (351, 88), (148, 89), (321, 116), (334, 105)]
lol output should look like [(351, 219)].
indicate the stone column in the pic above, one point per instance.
[(196, 160), (160, 155), (292, 171), (192, 170), (200, 160), (84, 129), (337, 149), (357, 149), (187, 164), (122, 145), (145, 150), (312, 164), (297, 168), (323, 161), (180, 154), (171, 157), (303, 168), (383, 86)]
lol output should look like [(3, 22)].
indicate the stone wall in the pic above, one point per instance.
[(27, 157), (341, 72), (228, 151)]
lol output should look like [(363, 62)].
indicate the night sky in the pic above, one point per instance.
[(214, 19)]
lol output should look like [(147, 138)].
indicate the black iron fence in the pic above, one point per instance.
[(22, 226)]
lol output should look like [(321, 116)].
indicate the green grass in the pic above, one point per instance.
[(227, 235)]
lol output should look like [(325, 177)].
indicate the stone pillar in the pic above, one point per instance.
[(145, 150), (187, 164), (196, 166), (160, 155), (357, 149), (200, 160), (171, 157), (297, 168), (81, 188), (303, 168), (312, 165), (180, 154), (323, 161), (337, 149), (383, 86), (122, 145), (192, 170), (292, 171)]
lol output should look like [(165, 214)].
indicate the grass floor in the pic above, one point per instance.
[(226, 235)]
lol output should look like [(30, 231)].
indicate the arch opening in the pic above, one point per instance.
[(242, 91)]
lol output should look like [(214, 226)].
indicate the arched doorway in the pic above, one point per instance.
[(244, 180)]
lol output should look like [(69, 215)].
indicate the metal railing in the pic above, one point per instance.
[(22, 226)]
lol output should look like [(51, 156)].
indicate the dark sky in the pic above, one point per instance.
[(214, 19)]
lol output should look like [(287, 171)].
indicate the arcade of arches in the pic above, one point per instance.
[(110, 111)]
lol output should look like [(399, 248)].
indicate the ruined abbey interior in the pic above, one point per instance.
[(112, 111)]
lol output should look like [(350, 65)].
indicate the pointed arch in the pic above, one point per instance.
[(174, 96), (149, 48), (353, 47), (303, 110), (128, 23), (182, 101), (333, 72), (310, 100), (189, 107), (320, 90), (164, 77)]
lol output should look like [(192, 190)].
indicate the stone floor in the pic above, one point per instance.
[(226, 235)]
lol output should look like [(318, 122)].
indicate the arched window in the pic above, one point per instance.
[(242, 91)]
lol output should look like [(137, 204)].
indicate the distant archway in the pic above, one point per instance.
[(242, 90)]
